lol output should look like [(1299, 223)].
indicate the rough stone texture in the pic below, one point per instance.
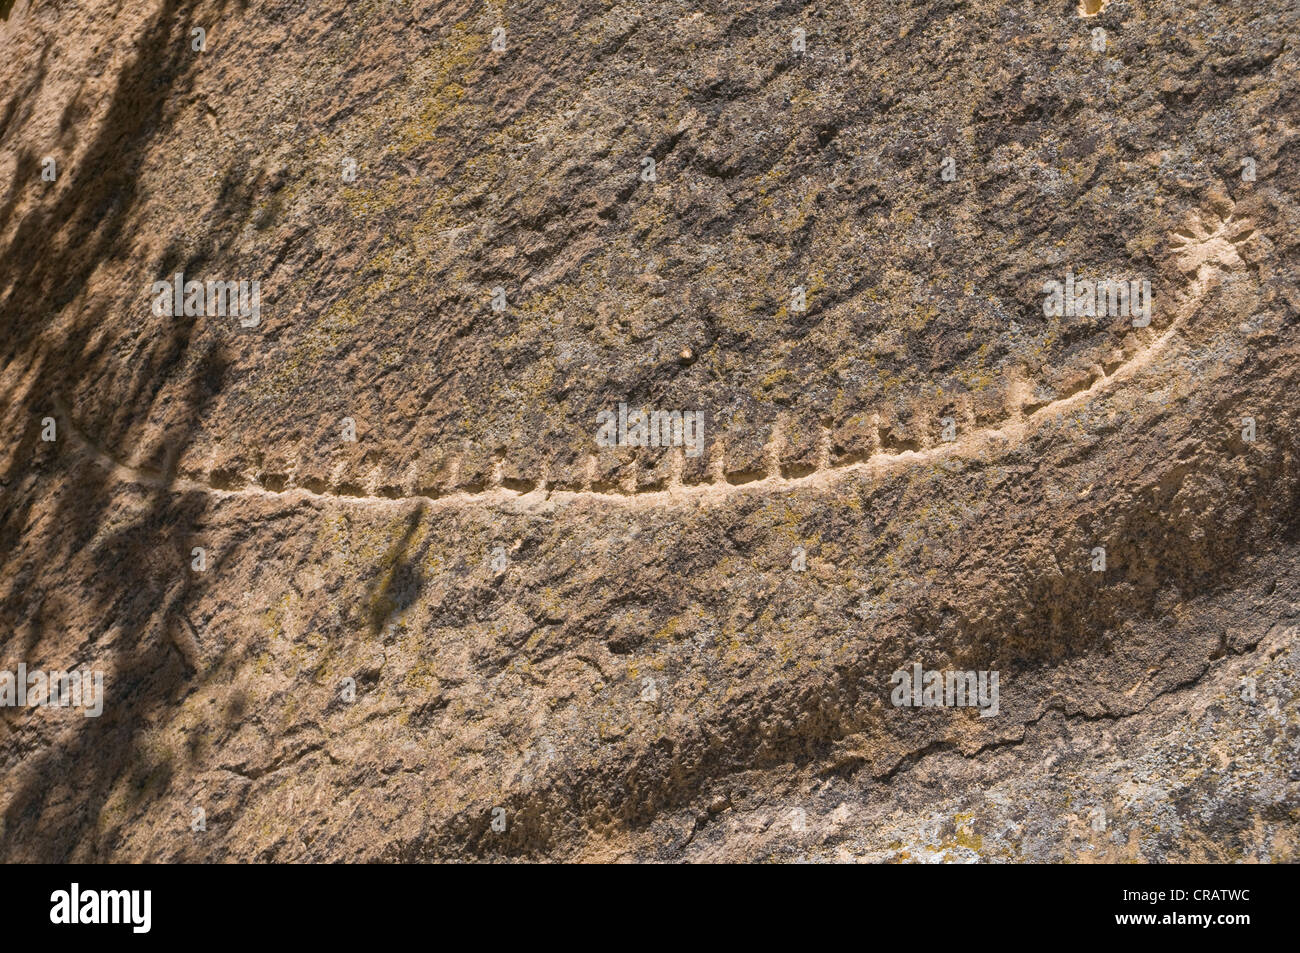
[(767, 731)]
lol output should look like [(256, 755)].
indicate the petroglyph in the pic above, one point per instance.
[(1204, 248)]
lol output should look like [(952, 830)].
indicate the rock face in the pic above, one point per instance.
[(365, 579)]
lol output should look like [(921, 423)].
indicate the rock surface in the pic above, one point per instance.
[(473, 632)]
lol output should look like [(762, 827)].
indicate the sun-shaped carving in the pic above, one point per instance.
[(1209, 244)]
